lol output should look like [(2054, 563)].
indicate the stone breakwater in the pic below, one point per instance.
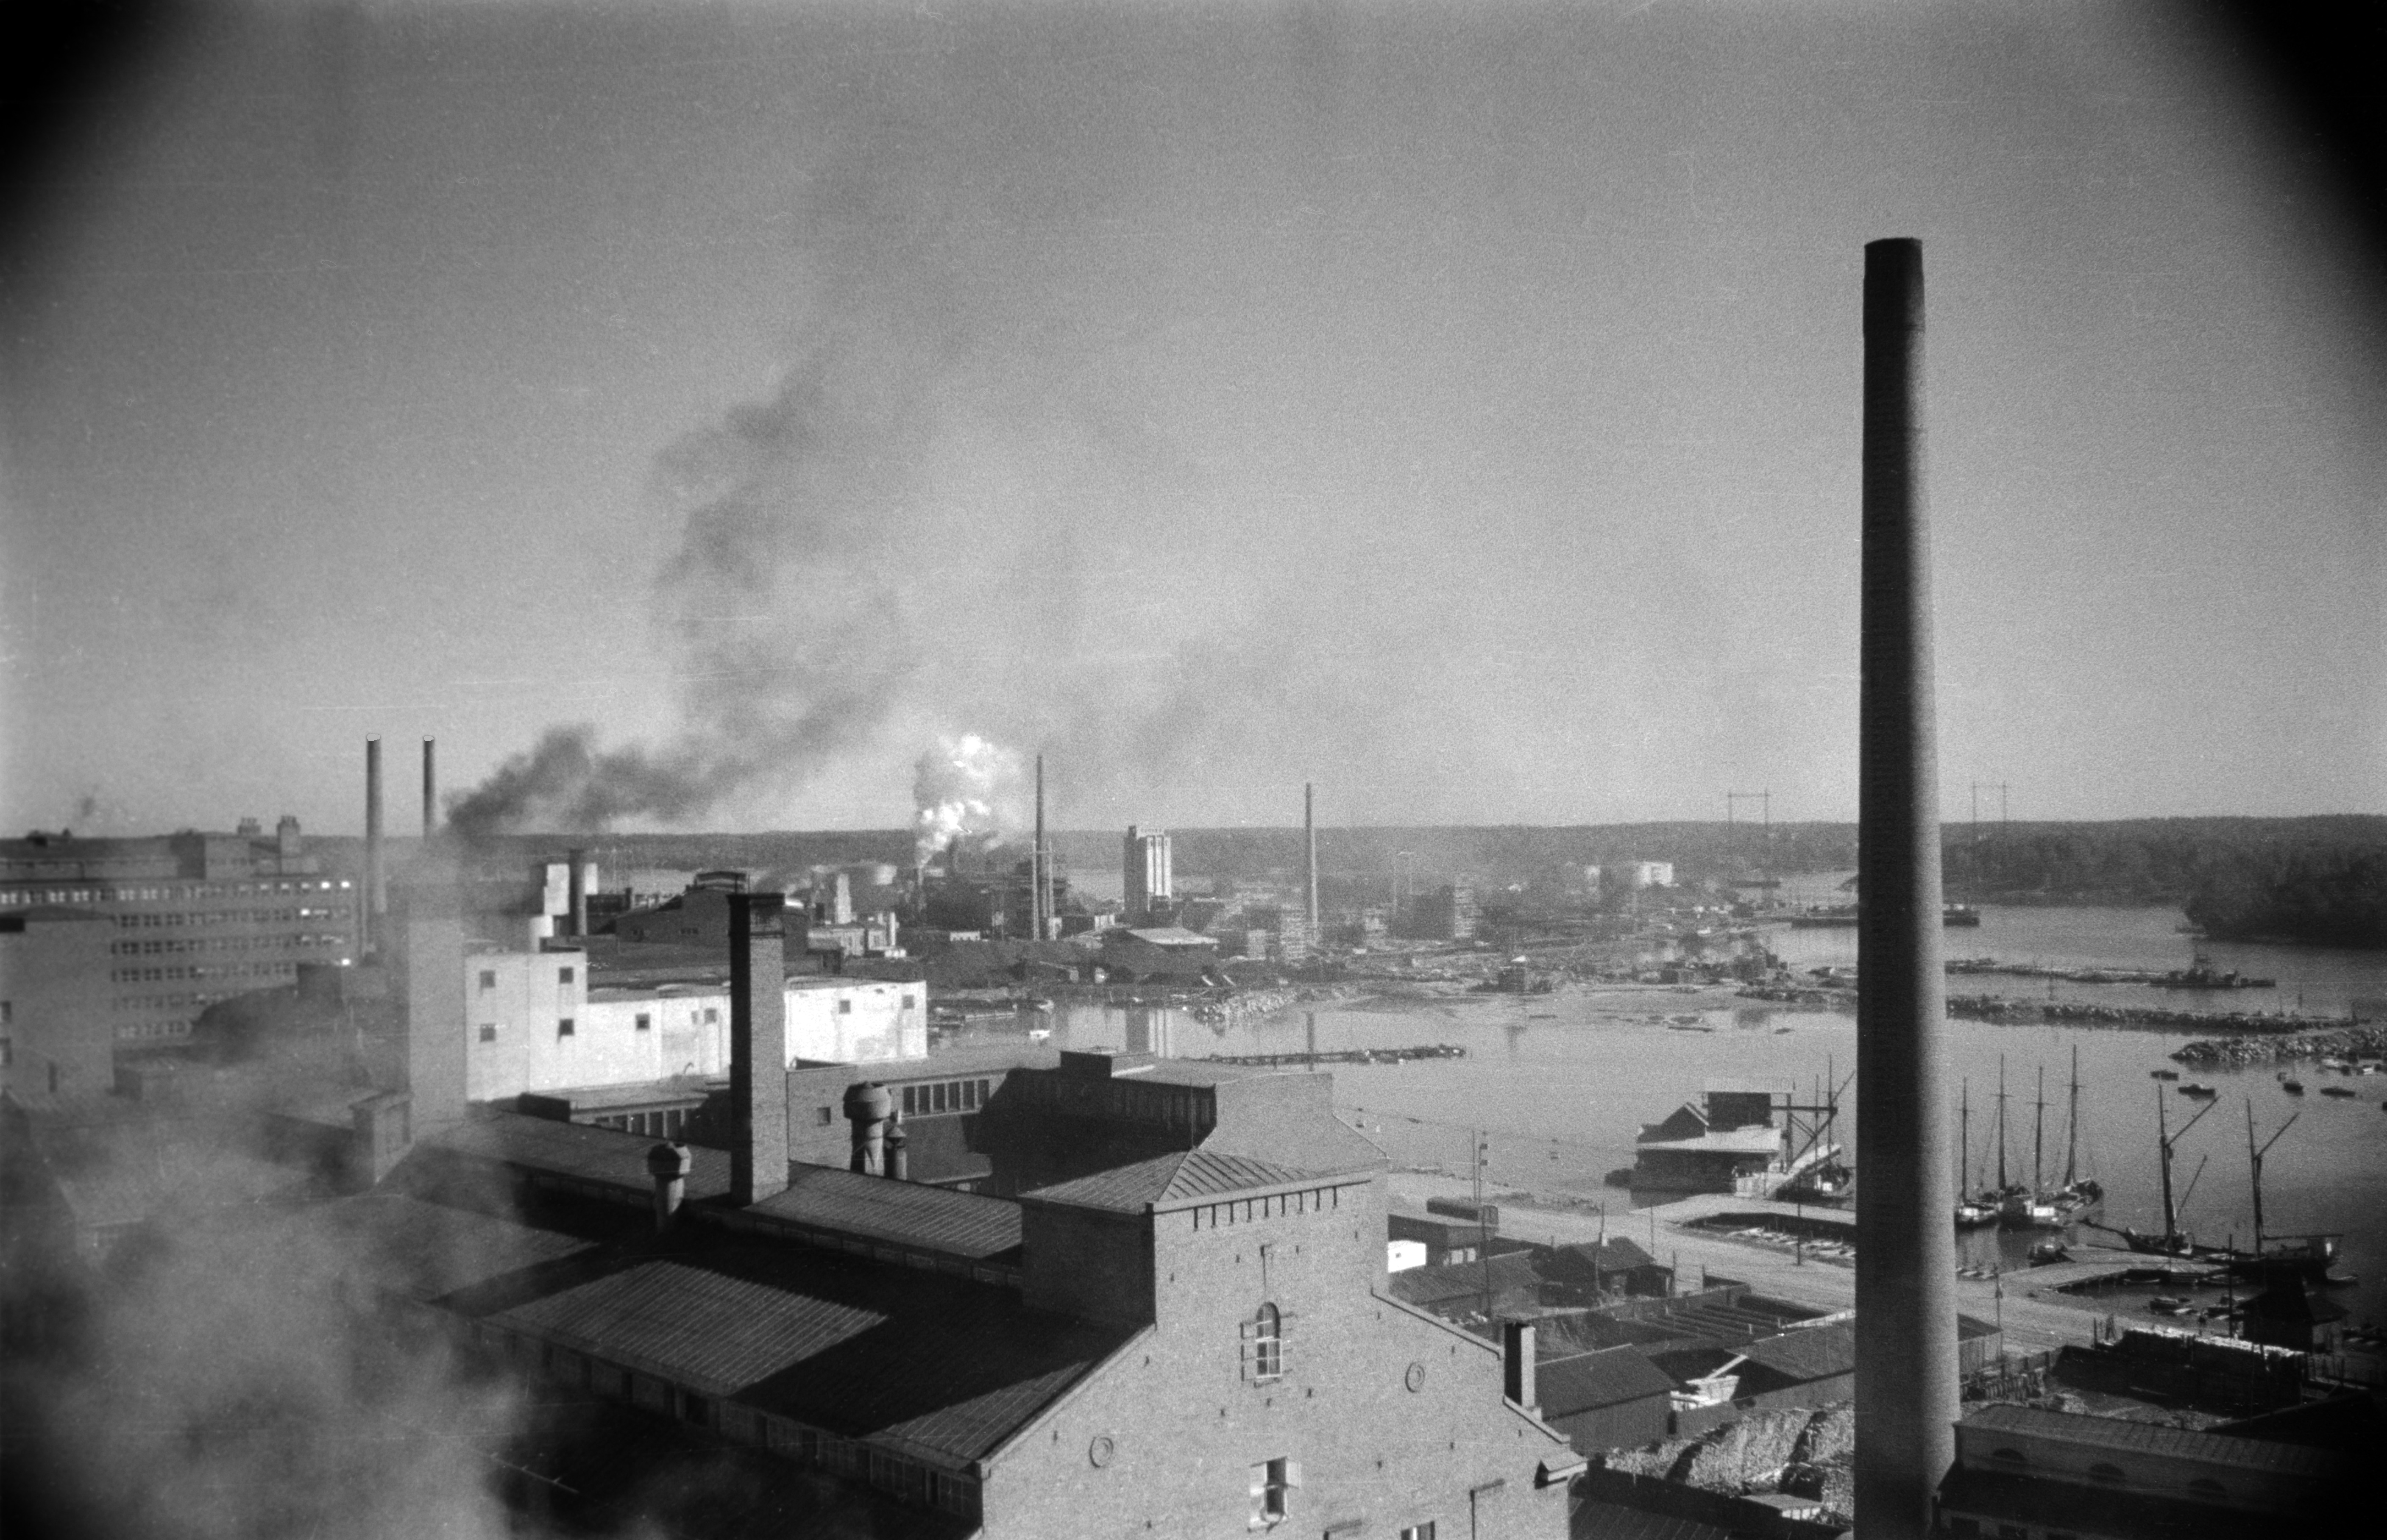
[(2073, 1013), (2272, 1048)]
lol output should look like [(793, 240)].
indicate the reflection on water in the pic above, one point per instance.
[(1563, 1082)]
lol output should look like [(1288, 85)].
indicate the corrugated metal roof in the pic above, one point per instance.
[(578, 1152), (943, 1366), (428, 1250), (1587, 1380), (934, 1219), (1809, 1353), (2108, 1433), (1180, 1174)]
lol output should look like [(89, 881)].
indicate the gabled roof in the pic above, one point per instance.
[(1588, 1381), (2107, 1432), (932, 1218), (1179, 1175), (577, 1152), (932, 1366), (1809, 1353), (1614, 1255)]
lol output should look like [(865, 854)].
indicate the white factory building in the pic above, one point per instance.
[(534, 1023)]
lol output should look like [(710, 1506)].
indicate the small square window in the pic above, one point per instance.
[(645, 1022), (711, 1015), (564, 1028), (563, 975), (824, 1117), (488, 978), (488, 1032), (909, 1002), (845, 1007)]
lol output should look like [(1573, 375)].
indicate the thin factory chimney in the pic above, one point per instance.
[(758, 1047), (1042, 899), (1906, 1370), (373, 901), (430, 787), (1309, 856), (576, 889)]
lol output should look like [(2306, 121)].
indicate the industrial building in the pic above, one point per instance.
[(1710, 1145), (1148, 876), (199, 917)]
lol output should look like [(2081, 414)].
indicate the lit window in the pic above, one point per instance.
[(1272, 1487), (563, 1026), (1268, 1344), (488, 1032)]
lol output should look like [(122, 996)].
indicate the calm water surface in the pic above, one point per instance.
[(1561, 1083)]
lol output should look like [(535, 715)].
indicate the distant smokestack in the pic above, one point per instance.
[(1310, 857), (1035, 858), (1906, 1370), (668, 1165), (866, 1107), (576, 881), (375, 899), (430, 787), (758, 1047)]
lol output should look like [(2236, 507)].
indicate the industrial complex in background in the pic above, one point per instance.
[(680, 1157)]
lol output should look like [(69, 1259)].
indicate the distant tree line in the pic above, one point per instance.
[(2328, 897)]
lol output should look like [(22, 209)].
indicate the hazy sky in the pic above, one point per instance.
[(1454, 404)]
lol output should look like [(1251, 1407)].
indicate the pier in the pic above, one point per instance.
[(1343, 1055)]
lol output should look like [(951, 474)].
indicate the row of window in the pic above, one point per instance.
[(136, 1031), (222, 943), (202, 970), (164, 1001), (945, 1096), (222, 916), (163, 895), (1315, 1200), (664, 1123), (1178, 1106), (910, 1481)]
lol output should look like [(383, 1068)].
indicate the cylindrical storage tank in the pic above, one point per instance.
[(867, 1106)]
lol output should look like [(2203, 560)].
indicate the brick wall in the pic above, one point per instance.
[(1392, 1418)]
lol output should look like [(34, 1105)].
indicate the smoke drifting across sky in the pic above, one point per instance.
[(1452, 405)]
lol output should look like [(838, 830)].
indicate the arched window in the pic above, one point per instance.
[(2008, 1458), (1267, 1343), (2110, 1474)]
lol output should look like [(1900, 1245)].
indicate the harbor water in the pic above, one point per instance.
[(1560, 1084)]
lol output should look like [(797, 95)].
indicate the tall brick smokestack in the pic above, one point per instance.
[(576, 888), (430, 787), (1309, 856), (758, 1047), (374, 900), (1906, 1380)]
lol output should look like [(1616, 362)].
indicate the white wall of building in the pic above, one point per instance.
[(517, 1004)]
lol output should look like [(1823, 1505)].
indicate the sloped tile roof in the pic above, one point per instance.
[(1180, 1174), (579, 1152), (1587, 1380), (933, 1218), (940, 1366)]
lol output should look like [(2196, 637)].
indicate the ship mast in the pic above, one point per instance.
[(2255, 1165), (1964, 1142), (2039, 1136), (2072, 1125), (2162, 1148), (2002, 1122)]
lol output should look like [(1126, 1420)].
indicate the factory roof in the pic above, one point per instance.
[(577, 1153), (932, 1218), (1809, 1353), (2106, 1432), (1184, 1175), (934, 1366), (1753, 1139), (1427, 1287), (427, 1251), (1616, 1522), (2075, 1508), (1588, 1381), (1164, 935), (1615, 1254)]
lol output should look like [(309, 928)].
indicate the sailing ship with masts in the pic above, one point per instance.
[(2309, 1256)]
